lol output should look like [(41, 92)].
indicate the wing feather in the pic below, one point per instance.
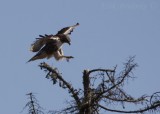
[(40, 42), (67, 30)]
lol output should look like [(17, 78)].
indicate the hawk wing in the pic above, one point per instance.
[(47, 50), (40, 42), (67, 30)]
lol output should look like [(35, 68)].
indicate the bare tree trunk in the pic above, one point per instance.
[(86, 107)]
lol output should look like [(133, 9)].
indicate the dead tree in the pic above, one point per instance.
[(33, 105), (102, 88)]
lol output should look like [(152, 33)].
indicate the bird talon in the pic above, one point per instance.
[(68, 58)]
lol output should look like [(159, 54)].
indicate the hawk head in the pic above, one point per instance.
[(65, 39)]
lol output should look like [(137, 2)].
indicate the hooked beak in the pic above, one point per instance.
[(69, 43)]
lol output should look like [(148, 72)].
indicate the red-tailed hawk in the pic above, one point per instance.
[(48, 46)]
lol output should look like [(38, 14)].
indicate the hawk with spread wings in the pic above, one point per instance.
[(48, 46)]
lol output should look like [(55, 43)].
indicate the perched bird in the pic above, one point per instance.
[(48, 46)]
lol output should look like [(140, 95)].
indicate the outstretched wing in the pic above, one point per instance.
[(67, 30), (40, 42)]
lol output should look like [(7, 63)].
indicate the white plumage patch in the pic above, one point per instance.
[(58, 42), (58, 55), (54, 38)]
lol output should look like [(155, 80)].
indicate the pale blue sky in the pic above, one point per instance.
[(110, 31)]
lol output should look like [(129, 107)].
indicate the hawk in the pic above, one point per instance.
[(48, 46)]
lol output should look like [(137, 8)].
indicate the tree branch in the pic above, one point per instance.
[(153, 107), (102, 70), (125, 100), (129, 66), (58, 76)]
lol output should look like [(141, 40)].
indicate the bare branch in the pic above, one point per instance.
[(102, 70), (129, 66), (149, 108), (33, 106), (60, 78)]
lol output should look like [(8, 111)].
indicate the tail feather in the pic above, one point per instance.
[(38, 56), (32, 59)]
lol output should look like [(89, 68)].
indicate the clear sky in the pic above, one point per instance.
[(110, 31)]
